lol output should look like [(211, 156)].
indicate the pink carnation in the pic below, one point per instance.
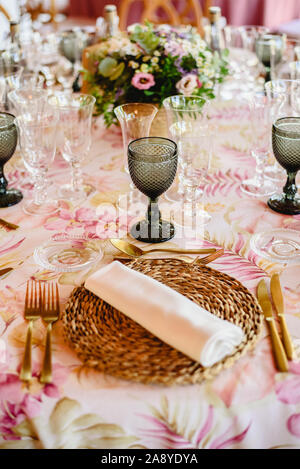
[(143, 81)]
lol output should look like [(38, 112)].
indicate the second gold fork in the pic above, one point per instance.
[(50, 314)]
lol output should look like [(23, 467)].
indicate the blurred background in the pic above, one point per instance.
[(278, 15)]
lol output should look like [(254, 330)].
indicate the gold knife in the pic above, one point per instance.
[(266, 305), (277, 297), (3, 272)]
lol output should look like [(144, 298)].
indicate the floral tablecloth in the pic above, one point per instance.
[(250, 405)]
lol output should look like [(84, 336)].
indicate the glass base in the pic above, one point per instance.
[(279, 245), (189, 218), (48, 208), (67, 192), (146, 233), (11, 197), (67, 253), (279, 203), (255, 189)]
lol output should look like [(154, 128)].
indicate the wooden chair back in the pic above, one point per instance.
[(189, 12)]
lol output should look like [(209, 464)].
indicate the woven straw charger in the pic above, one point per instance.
[(112, 343)]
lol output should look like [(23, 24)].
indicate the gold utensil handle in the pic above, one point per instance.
[(46, 375), (286, 338), (278, 350), (210, 258), (7, 225), (183, 251), (25, 374)]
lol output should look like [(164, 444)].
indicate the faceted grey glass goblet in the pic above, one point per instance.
[(8, 143), (269, 49), (152, 163), (286, 148)]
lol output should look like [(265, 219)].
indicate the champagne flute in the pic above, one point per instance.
[(75, 115)]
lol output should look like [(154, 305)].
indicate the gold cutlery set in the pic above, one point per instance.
[(40, 301), (43, 301), (282, 350)]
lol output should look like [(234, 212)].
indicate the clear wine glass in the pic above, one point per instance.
[(75, 115), (269, 50), (185, 115), (37, 138), (27, 100), (261, 124), (294, 69), (135, 120), (32, 80), (286, 147), (152, 163), (2, 94), (10, 76), (71, 45)]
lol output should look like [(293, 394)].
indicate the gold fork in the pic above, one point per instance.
[(50, 314), (32, 310)]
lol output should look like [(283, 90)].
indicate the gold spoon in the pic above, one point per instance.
[(134, 251)]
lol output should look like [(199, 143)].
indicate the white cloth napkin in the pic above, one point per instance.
[(169, 315)]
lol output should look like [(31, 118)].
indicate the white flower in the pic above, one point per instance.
[(187, 84), (133, 64)]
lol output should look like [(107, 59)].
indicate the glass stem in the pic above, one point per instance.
[(3, 181), (40, 185), (290, 189), (260, 171), (153, 213), (190, 198), (76, 176)]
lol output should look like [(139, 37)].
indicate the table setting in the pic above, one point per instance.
[(149, 239)]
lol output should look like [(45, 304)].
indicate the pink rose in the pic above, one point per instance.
[(143, 81), (187, 84)]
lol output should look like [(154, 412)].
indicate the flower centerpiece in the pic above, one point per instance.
[(148, 64)]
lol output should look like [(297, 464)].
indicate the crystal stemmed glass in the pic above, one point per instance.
[(195, 149), (71, 45), (37, 136), (294, 69), (75, 115), (152, 163), (32, 80), (135, 120), (27, 100), (249, 35), (242, 59), (261, 124), (269, 50), (286, 148), (2, 94), (185, 114), (10, 75), (8, 143)]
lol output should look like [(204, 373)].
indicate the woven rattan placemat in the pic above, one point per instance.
[(112, 343)]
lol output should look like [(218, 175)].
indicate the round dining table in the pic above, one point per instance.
[(249, 405)]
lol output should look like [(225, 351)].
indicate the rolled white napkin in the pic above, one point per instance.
[(167, 314)]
